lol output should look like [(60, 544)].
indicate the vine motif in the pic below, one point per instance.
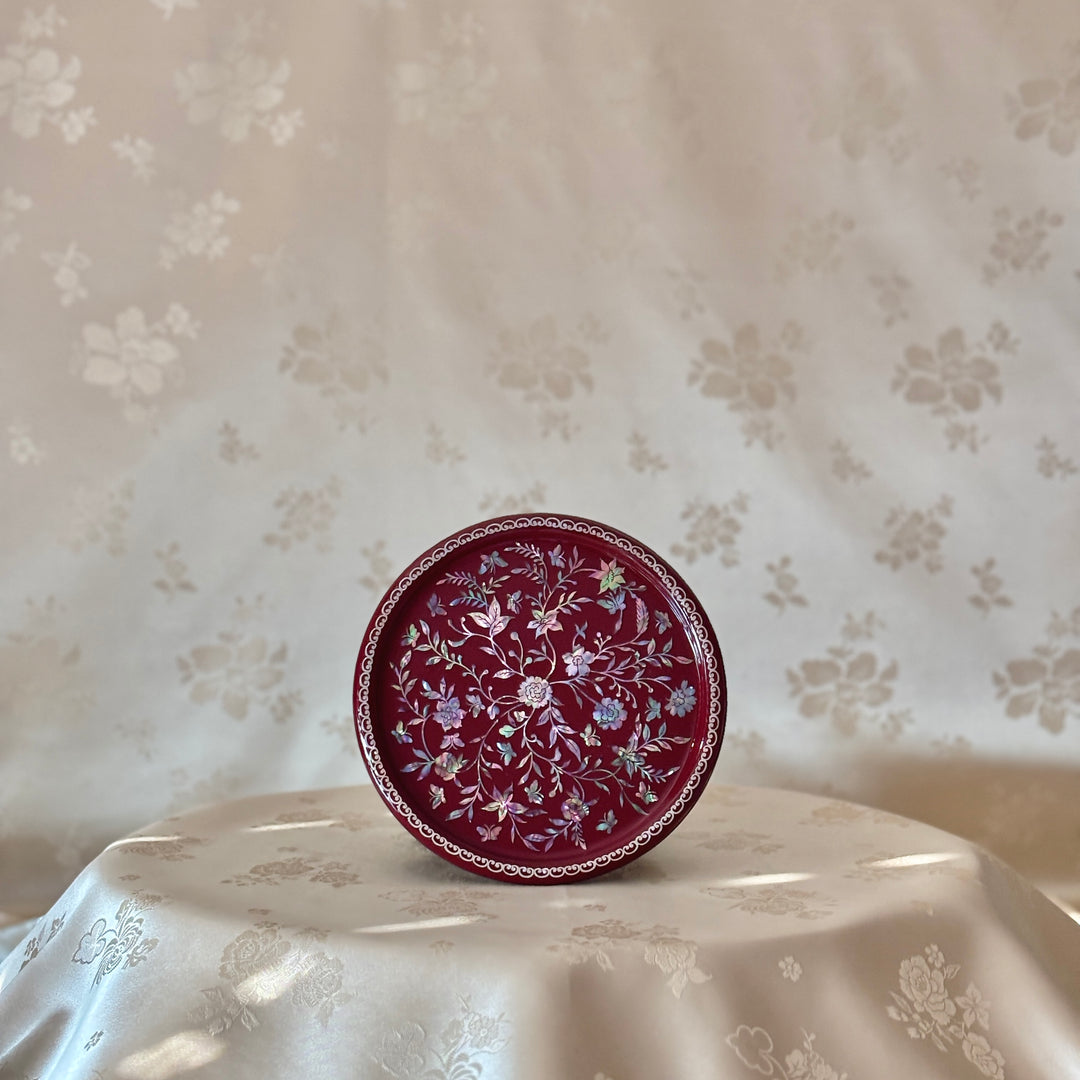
[(521, 636)]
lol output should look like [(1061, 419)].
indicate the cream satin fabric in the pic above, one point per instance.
[(289, 292), (773, 933)]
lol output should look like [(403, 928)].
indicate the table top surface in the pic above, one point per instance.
[(773, 932)]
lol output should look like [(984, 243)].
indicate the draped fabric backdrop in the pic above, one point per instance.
[(289, 292)]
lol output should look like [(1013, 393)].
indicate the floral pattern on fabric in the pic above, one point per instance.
[(931, 1010), (122, 943)]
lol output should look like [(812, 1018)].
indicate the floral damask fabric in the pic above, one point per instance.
[(291, 292), (774, 934)]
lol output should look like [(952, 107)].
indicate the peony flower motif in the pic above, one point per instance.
[(682, 700), (32, 86), (754, 1047), (254, 951), (449, 713), (925, 988), (128, 356), (573, 809), (607, 931), (484, 1032), (610, 714), (320, 981), (577, 662), (401, 1053), (447, 765), (983, 1056), (534, 692)]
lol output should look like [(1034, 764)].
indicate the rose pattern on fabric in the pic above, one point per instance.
[(1046, 683), (1050, 106), (499, 781), (451, 88), (546, 369), (662, 947), (171, 849), (784, 592), (69, 265), (927, 1006), (754, 1047), (1019, 243), (260, 966), (306, 515), (459, 1052), (442, 903), (865, 113), (954, 379), (312, 867), (814, 246), (198, 230), (778, 900), (123, 942), (341, 362), (753, 375), (36, 85), (713, 528), (239, 89), (135, 359), (1052, 463), (850, 684), (990, 595), (139, 154), (241, 669), (915, 536)]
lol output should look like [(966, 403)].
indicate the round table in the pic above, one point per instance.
[(773, 934)]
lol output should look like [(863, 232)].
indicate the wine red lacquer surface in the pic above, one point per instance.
[(539, 698)]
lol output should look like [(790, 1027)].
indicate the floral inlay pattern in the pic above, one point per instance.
[(122, 943), (542, 696), (1047, 682), (928, 1008)]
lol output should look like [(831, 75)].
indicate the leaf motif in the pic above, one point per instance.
[(642, 613)]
